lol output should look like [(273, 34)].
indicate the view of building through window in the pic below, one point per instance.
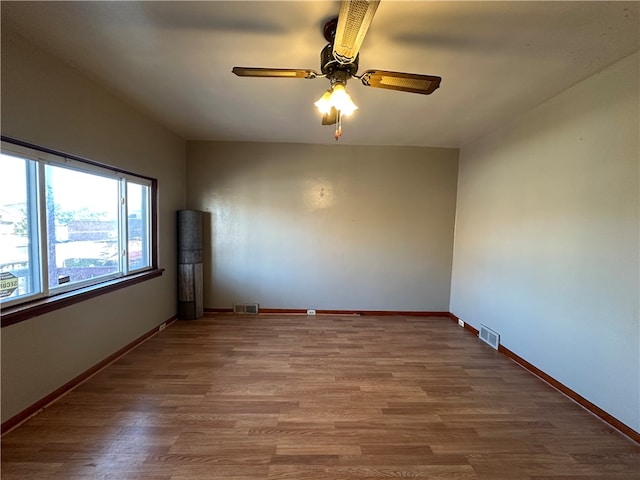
[(18, 272), (66, 226), (83, 240)]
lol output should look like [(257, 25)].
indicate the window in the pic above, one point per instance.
[(19, 257), (66, 224)]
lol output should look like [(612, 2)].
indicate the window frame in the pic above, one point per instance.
[(47, 300)]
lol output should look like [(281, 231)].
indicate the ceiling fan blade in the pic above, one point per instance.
[(404, 82), (274, 72), (353, 22)]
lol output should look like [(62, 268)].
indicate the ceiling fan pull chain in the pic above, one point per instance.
[(338, 126)]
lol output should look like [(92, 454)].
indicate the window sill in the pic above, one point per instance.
[(20, 313)]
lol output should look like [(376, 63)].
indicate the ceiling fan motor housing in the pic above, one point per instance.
[(332, 68)]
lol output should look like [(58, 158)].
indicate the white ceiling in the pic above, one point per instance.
[(173, 61)]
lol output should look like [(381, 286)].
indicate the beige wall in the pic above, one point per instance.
[(547, 238), (325, 227), (49, 104)]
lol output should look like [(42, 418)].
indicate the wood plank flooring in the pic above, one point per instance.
[(324, 397)]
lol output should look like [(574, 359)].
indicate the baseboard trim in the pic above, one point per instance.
[(473, 330), (44, 402), (300, 311), (576, 397)]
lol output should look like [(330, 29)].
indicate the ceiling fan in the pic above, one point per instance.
[(339, 62)]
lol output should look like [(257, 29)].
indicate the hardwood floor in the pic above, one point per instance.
[(324, 397)]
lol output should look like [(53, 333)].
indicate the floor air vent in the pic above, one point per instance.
[(251, 308), (489, 337)]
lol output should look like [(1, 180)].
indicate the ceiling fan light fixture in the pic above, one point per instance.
[(324, 103), (341, 100), (337, 98)]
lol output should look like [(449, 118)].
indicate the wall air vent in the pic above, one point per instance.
[(489, 337), (245, 308)]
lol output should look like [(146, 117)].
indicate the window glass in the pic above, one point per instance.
[(138, 226), (19, 269), (82, 226)]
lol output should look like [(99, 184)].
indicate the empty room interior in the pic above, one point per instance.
[(437, 279)]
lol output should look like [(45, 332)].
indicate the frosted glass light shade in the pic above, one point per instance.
[(337, 98)]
